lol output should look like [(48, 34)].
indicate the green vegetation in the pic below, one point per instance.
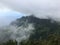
[(10, 42), (52, 39), (45, 33)]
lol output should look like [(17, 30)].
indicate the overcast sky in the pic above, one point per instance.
[(7, 17), (41, 8)]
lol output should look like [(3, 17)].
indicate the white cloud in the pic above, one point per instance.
[(6, 17), (38, 7), (4, 8)]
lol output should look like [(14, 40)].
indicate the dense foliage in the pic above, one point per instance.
[(47, 32), (52, 39)]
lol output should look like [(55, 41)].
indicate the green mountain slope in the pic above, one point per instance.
[(43, 27), (46, 32)]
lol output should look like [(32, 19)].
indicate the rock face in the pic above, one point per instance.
[(43, 27)]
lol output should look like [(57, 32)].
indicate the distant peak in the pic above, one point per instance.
[(32, 15)]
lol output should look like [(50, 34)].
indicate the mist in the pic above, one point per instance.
[(40, 8), (6, 17), (15, 33)]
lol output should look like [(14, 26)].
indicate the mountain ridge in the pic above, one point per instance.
[(39, 24)]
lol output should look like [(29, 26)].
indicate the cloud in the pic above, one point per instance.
[(16, 33), (41, 8), (6, 17)]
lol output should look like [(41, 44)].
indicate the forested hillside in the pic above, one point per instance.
[(46, 32)]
